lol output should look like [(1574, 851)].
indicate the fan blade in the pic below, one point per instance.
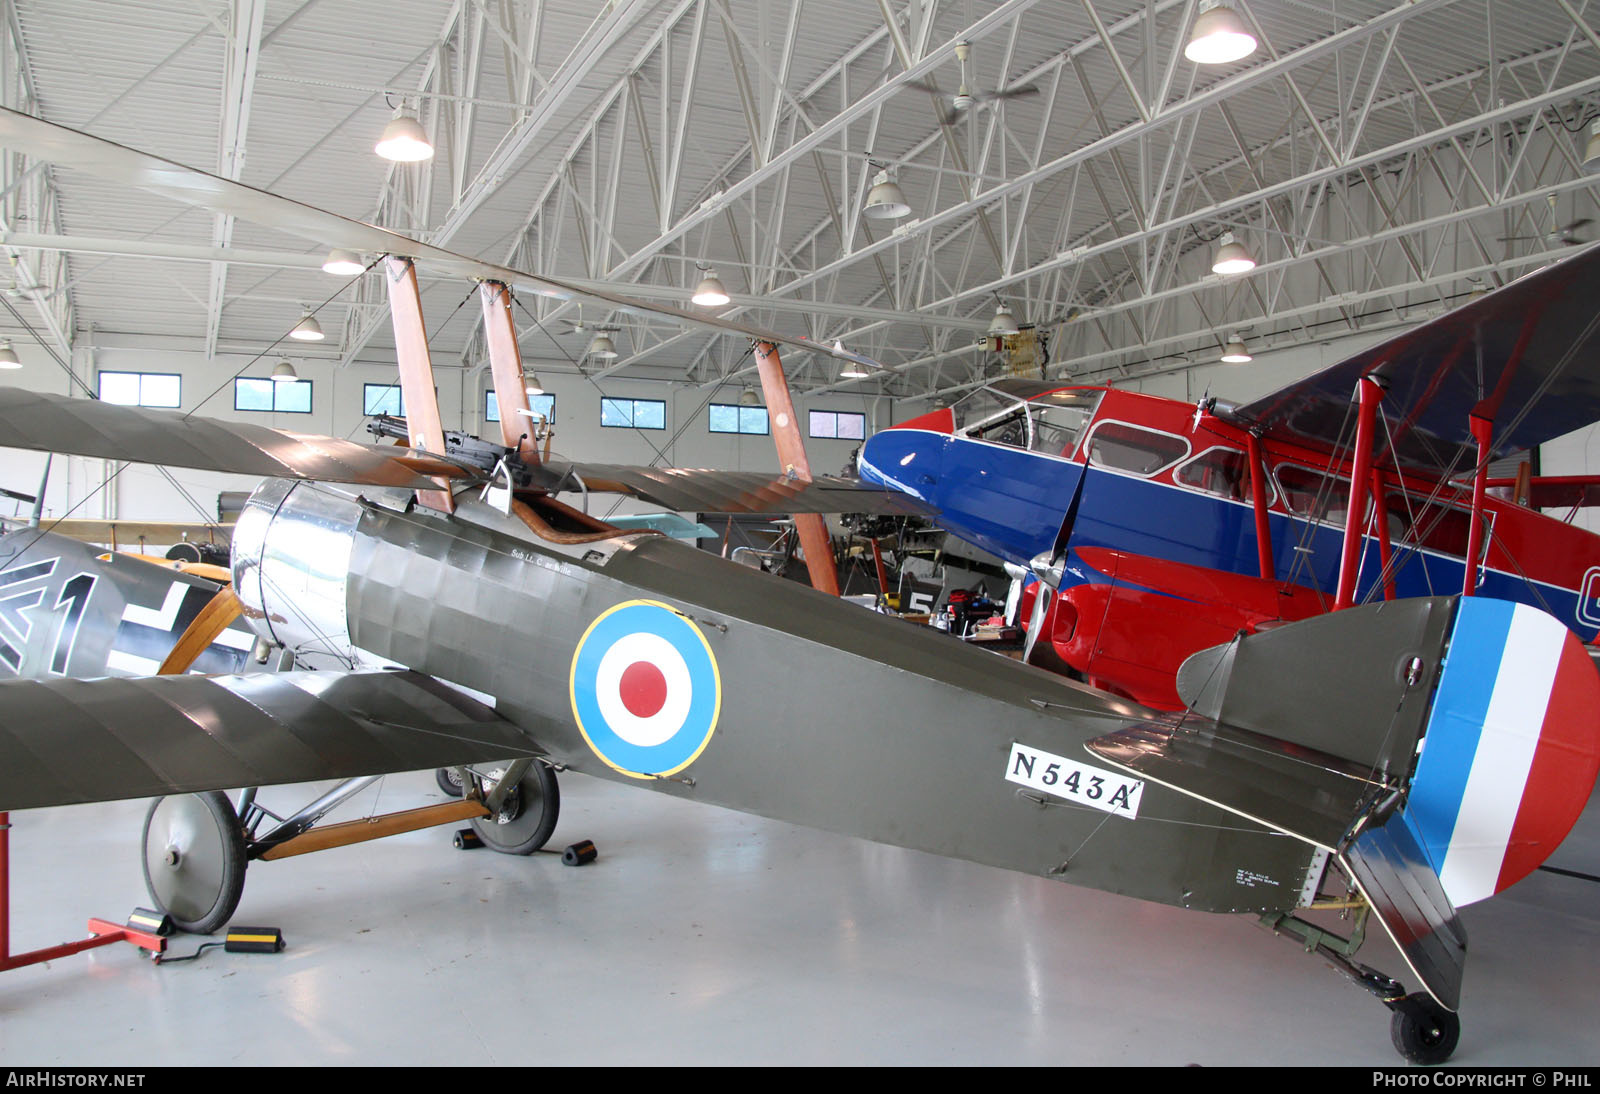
[(1008, 93)]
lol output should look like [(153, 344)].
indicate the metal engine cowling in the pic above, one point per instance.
[(291, 566)]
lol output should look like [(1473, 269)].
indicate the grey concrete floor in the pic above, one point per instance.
[(705, 936)]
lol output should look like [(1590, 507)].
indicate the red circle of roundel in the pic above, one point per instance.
[(643, 689)]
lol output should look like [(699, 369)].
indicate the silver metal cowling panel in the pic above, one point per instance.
[(71, 741), (291, 563)]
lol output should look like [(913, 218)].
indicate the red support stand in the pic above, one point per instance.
[(101, 932)]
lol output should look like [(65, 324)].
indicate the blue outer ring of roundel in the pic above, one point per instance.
[(705, 704)]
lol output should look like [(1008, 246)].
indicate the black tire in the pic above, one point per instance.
[(528, 819), (194, 859), (449, 780), (1423, 1031)]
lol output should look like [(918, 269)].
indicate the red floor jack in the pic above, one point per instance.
[(142, 929)]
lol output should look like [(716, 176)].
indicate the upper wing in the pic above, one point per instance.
[(106, 159), (1525, 356), (706, 491), (89, 427), (73, 741)]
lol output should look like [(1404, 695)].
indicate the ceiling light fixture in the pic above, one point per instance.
[(8, 357), (748, 397), (534, 386), (602, 346), (283, 372), (308, 329), (1234, 352), (1231, 258), (1219, 36), (404, 141), (885, 201), (343, 263), (711, 292), (1004, 324), (1591, 151)]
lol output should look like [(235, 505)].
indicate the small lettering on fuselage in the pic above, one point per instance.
[(1073, 781)]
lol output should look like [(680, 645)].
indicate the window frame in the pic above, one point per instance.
[(491, 399), (811, 425), (739, 415), (1087, 445), (276, 386), (366, 401), (101, 374), (633, 405)]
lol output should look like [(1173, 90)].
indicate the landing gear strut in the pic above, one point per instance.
[(1423, 1032)]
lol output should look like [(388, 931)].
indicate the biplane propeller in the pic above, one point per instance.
[(464, 615)]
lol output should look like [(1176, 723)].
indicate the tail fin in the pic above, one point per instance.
[(1441, 748), (1511, 748)]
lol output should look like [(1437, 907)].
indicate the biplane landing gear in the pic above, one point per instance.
[(449, 780), (194, 859), (1423, 1031), (527, 817)]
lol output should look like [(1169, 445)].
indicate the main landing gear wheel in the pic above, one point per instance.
[(194, 859), (528, 817), (1423, 1031)]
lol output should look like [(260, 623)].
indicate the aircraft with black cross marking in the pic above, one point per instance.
[(466, 617)]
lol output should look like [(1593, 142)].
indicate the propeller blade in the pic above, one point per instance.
[(1035, 621)]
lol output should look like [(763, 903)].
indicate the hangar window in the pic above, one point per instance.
[(164, 389), (633, 413), (543, 406), (728, 418), (272, 396), (382, 399), (842, 424), (1124, 447)]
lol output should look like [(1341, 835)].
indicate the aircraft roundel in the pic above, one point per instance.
[(645, 689)]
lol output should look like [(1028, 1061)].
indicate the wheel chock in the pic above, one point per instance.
[(150, 921), (467, 840), (579, 853), (253, 940)]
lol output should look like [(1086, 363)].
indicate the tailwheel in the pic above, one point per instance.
[(449, 780), (527, 818), (1423, 1031), (194, 859)]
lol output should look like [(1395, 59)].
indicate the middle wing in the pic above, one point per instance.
[(706, 491)]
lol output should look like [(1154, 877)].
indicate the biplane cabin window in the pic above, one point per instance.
[(1433, 526), (163, 389), (1314, 494), (1059, 418), (633, 413), (275, 396), (543, 406), (1120, 446), (1222, 471), (730, 418), (844, 425), (382, 399)]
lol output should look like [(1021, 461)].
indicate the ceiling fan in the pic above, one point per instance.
[(1559, 235), (965, 98)]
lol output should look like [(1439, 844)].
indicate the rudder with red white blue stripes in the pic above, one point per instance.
[(1511, 749)]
